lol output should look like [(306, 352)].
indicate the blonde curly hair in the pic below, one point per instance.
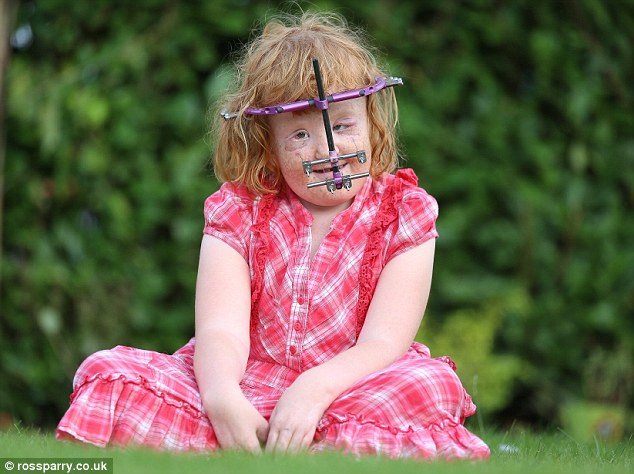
[(275, 68)]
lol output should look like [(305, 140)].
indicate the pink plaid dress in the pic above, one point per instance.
[(303, 313)]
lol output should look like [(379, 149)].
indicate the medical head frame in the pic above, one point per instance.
[(338, 181)]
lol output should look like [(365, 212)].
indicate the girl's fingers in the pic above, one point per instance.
[(296, 443), (301, 441), (271, 441), (230, 440), (287, 441), (279, 441), (253, 446), (262, 432), (248, 443), (308, 439), (225, 440)]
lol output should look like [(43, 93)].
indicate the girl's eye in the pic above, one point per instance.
[(339, 127), (301, 135)]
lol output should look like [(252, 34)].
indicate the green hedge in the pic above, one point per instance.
[(518, 116)]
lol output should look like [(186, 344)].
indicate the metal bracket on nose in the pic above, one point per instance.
[(359, 155), (337, 179)]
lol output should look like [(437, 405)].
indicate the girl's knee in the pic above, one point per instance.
[(97, 360), (108, 362), (439, 383), (439, 372)]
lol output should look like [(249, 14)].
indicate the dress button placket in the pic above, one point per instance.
[(298, 309), (297, 315)]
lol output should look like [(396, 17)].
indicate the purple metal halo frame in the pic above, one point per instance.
[(381, 83), (338, 180)]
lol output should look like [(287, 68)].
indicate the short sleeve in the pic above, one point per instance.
[(417, 216), (229, 216)]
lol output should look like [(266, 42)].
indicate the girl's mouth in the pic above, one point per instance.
[(328, 169)]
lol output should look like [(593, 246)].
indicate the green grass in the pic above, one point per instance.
[(525, 453)]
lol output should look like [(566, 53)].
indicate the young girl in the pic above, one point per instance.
[(307, 301)]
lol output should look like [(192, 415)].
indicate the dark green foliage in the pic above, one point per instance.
[(517, 116)]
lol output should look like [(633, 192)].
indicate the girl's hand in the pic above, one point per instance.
[(237, 424), (295, 417)]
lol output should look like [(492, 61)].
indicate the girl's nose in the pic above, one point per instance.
[(321, 147)]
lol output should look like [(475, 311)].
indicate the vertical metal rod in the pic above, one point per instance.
[(324, 112)]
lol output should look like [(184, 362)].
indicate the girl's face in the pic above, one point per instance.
[(301, 137)]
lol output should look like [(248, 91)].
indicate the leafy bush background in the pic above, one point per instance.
[(518, 116)]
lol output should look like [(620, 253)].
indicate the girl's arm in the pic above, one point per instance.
[(223, 308), (391, 324)]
